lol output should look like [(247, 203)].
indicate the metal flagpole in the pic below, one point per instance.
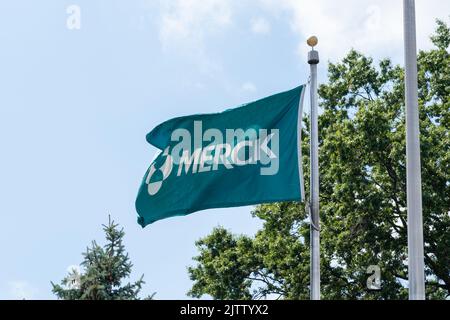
[(413, 172), (313, 60)]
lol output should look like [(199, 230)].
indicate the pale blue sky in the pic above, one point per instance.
[(75, 106)]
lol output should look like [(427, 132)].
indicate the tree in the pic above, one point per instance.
[(362, 194), (104, 269)]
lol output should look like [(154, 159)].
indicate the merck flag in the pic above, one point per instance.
[(242, 156)]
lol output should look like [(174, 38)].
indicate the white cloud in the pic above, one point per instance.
[(260, 26), (188, 22), (21, 290), (374, 28), (249, 87), (185, 25)]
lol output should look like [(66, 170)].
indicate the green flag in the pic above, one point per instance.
[(247, 155)]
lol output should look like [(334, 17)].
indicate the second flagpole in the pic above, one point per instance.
[(313, 60), (416, 274)]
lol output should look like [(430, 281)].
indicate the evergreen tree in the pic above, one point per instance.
[(104, 270), (362, 194)]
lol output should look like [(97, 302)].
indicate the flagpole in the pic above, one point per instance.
[(413, 171), (313, 60)]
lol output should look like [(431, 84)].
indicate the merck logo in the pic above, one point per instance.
[(238, 148)]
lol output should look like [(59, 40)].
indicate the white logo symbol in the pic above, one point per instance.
[(166, 169)]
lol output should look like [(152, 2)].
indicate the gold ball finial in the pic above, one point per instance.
[(312, 41)]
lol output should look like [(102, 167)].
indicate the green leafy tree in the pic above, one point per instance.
[(104, 270), (362, 194)]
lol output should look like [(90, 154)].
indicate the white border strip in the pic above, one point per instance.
[(299, 144)]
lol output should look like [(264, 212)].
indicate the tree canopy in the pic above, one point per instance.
[(362, 194), (105, 268)]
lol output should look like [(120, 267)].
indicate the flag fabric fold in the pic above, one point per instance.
[(242, 156)]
